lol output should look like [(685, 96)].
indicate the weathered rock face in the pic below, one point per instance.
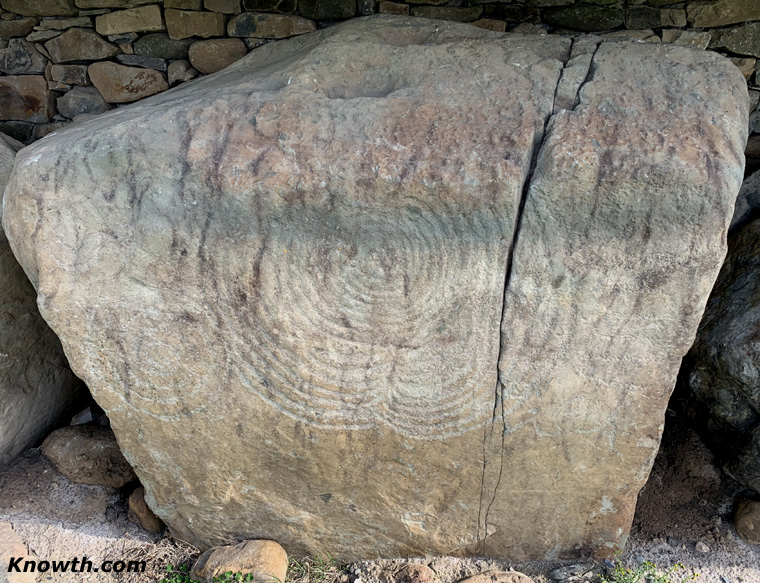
[(36, 386), (88, 454), (329, 303), (120, 84), (721, 374), (25, 98)]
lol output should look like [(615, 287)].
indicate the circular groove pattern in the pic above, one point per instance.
[(367, 318)]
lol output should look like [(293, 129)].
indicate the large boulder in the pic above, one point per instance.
[(363, 293), (37, 388), (720, 379)]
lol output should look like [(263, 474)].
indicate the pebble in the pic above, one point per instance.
[(702, 547), (570, 571)]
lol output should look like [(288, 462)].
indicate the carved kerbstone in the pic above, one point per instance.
[(364, 293)]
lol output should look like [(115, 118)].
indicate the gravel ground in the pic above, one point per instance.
[(683, 516)]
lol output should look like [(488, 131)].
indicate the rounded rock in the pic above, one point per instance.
[(141, 514), (210, 56), (180, 71), (747, 520), (264, 559), (88, 454)]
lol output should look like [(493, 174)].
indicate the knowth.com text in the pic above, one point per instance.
[(76, 565)]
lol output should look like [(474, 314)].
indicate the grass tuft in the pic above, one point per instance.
[(316, 570), (647, 572)]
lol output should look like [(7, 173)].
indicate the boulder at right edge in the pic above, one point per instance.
[(720, 378)]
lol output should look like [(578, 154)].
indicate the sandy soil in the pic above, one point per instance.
[(686, 501)]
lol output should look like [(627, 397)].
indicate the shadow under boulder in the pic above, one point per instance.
[(37, 388)]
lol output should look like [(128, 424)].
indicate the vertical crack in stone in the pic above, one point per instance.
[(588, 78), (498, 408)]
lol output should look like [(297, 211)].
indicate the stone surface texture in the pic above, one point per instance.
[(40, 7), (88, 454), (141, 514), (145, 62), (79, 44), (184, 24), (82, 100), (454, 13), (25, 98), (223, 6), (19, 27), (210, 56), (265, 560), (722, 370), (120, 84), (327, 277), (686, 37), (37, 389), (327, 9), (732, 25), (161, 46), (269, 25), (71, 74), (747, 520), (141, 19), (585, 18), (709, 13), (20, 57), (743, 40), (180, 71)]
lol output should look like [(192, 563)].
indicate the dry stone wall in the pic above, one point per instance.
[(61, 59)]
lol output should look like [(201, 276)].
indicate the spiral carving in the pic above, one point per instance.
[(358, 320)]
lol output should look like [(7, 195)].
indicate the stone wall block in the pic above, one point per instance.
[(71, 74), (18, 27), (712, 13), (183, 24), (81, 100), (160, 45), (79, 44), (327, 9), (742, 40), (223, 6), (210, 56), (40, 7), (455, 13), (585, 18), (121, 84), (21, 57), (142, 19), (260, 25), (25, 98)]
